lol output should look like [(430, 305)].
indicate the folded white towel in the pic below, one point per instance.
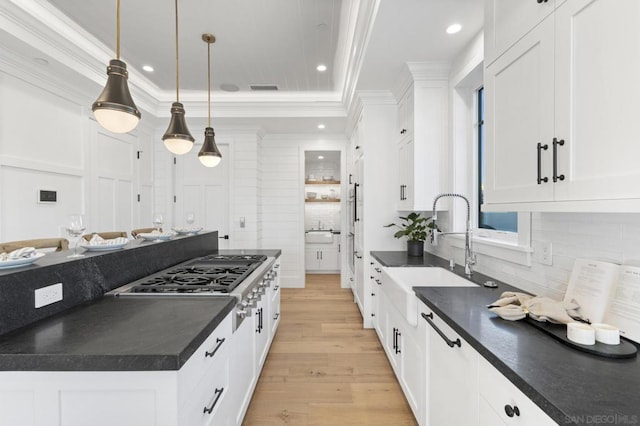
[(21, 253), (97, 240)]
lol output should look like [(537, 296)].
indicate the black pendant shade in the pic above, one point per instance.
[(177, 138), (209, 154)]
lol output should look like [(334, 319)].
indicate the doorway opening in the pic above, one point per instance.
[(322, 212)]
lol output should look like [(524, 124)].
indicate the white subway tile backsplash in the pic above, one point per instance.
[(611, 237)]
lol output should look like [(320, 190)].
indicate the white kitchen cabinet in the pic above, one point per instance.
[(572, 80), (405, 349), (261, 315), (422, 144), (502, 403), (243, 369), (375, 281), (322, 258), (507, 21), (196, 395), (275, 300), (452, 385)]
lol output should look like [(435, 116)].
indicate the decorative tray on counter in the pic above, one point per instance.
[(559, 332)]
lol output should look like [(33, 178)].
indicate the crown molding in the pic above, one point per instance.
[(43, 27), (419, 71)]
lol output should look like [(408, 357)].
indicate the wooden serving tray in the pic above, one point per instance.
[(559, 331)]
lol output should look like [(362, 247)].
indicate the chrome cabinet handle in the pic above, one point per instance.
[(218, 394), (448, 341)]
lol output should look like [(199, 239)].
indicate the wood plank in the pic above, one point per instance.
[(323, 368)]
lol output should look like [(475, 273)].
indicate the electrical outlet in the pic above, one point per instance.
[(545, 256), (47, 295)]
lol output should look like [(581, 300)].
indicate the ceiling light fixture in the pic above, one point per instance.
[(177, 139), (320, 157), (209, 154), (114, 109), (321, 126), (321, 67), (454, 28)]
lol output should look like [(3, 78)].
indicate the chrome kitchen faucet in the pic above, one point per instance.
[(469, 255)]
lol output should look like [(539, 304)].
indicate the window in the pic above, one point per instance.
[(505, 222)]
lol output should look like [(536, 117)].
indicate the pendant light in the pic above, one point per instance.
[(209, 155), (114, 109), (177, 139)]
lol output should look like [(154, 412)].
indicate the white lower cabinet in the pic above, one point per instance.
[(404, 347), (502, 403), (452, 390), (196, 395), (375, 281)]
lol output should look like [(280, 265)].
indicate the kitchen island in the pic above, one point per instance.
[(570, 386), (161, 359)]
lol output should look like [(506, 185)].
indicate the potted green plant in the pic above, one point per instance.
[(416, 229)]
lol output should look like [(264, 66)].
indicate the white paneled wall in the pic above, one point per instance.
[(282, 197), (49, 140), (244, 190)]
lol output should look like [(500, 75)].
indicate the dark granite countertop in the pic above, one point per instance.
[(116, 334), (569, 385)]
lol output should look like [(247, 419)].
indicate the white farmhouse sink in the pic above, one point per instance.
[(318, 237), (397, 284)]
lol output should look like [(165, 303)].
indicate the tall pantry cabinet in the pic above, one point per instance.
[(562, 101), (373, 123)]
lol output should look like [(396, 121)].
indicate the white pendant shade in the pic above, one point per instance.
[(209, 160), (178, 146), (116, 121)]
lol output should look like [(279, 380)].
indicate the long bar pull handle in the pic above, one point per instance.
[(218, 394), (449, 342), (556, 142), (540, 148), (219, 343)]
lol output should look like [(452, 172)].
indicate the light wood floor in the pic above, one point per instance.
[(323, 367)]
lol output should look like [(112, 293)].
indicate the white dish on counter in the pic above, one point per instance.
[(186, 231), (102, 247), (23, 261)]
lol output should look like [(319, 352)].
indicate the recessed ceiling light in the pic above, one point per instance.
[(454, 28), (228, 87), (320, 157), (321, 126), (147, 68), (321, 67)]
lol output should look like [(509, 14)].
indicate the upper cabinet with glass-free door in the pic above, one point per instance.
[(422, 137), (561, 107)]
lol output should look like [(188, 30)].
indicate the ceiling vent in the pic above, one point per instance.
[(263, 87)]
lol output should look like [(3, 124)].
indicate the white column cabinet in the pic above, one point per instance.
[(422, 144), (375, 282), (570, 79)]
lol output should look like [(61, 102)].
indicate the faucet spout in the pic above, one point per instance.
[(469, 256)]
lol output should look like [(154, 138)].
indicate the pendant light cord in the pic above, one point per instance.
[(118, 29), (177, 69), (209, 81)]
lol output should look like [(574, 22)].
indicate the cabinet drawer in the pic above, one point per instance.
[(206, 404), (503, 396), (206, 357)]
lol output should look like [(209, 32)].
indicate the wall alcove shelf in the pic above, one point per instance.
[(322, 182), (320, 200)]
